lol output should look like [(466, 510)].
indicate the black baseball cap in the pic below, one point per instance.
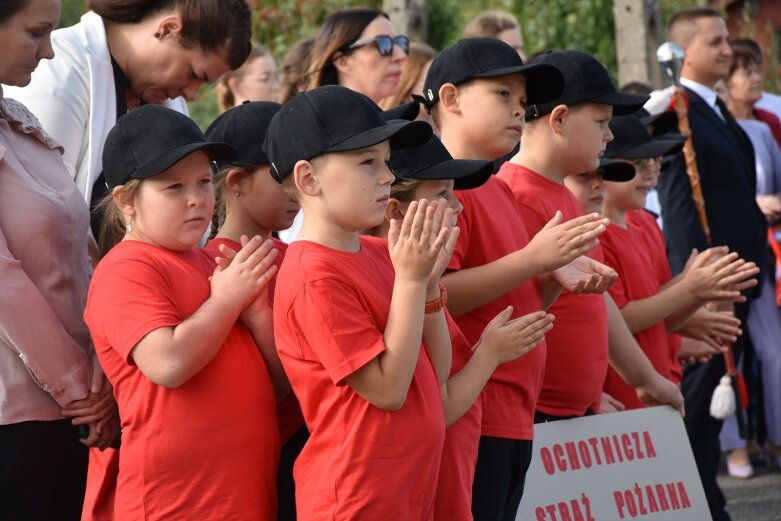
[(585, 80), (432, 162), (244, 128), (151, 139), (408, 111), (616, 171), (662, 123), (333, 118), (472, 58), (631, 140)]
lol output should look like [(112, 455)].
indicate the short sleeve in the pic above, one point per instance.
[(127, 303), (338, 327)]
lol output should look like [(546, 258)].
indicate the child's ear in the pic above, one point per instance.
[(448, 98), (305, 178), (236, 181), (234, 87), (394, 210), (557, 118), (122, 200)]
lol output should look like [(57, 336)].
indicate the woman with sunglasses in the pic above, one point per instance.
[(358, 48)]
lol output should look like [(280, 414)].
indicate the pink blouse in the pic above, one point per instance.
[(44, 274)]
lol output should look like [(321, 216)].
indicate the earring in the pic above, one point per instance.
[(129, 225), (237, 193)]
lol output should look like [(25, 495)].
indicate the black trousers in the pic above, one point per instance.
[(697, 386), (43, 471), (286, 487), (500, 475)]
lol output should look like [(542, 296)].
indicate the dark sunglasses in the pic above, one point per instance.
[(383, 42)]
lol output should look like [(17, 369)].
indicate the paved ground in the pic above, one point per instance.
[(755, 499)]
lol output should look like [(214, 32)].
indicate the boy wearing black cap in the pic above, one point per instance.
[(649, 303), (348, 329), (565, 137), (165, 324), (476, 91)]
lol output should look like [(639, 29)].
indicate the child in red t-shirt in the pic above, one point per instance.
[(651, 307), (351, 312), (430, 172), (199, 433), (249, 202), (476, 91), (562, 138)]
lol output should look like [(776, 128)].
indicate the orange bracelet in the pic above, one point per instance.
[(433, 306)]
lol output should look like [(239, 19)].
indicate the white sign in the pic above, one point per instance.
[(629, 465)]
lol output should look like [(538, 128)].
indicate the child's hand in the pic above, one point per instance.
[(715, 328), (585, 275), (696, 351), (558, 244), (506, 340), (713, 276), (415, 244), (248, 274), (609, 404)]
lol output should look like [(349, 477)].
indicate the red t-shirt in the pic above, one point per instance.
[(361, 462), (577, 344), (207, 449), (289, 414), (626, 251), (646, 223), (459, 455), (492, 227)]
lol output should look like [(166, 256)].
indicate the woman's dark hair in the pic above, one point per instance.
[(213, 26), (742, 56), (339, 30), (8, 8)]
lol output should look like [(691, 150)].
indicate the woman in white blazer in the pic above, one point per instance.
[(161, 48)]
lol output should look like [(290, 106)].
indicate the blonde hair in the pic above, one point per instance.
[(114, 222), (223, 93), (220, 184), (490, 24), (419, 55), (402, 189)]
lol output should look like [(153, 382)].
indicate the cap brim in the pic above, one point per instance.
[(402, 134), (616, 171), (465, 173), (216, 151), (407, 111), (654, 148), (544, 82), (623, 103), (661, 123)]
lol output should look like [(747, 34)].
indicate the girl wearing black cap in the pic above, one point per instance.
[(250, 202), (180, 337), (48, 371)]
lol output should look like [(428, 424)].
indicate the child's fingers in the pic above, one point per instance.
[(258, 254), (393, 234), (438, 220), (266, 277), (555, 221), (248, 249), (409, 219), (265, 264), (501, 318)]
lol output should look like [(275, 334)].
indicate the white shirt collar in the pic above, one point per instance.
[(706, 93)]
